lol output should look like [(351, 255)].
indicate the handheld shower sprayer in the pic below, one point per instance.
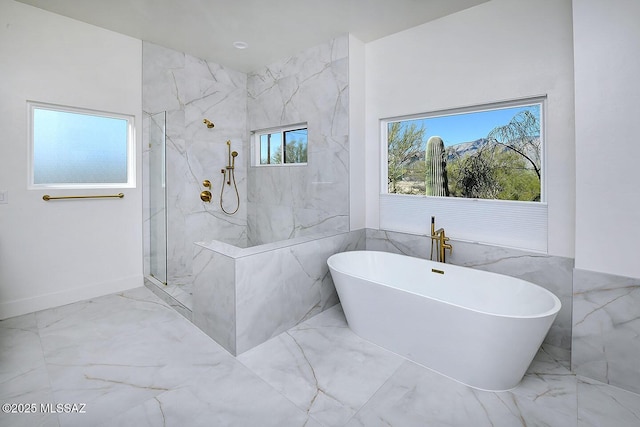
[(229, 175)]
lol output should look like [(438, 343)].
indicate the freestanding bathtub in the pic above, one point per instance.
[(479, 328)]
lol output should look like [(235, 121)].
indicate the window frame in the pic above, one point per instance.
[(281, 130), (520, 102), (130, 150), (522, 225)]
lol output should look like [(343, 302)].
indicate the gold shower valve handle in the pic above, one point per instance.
[(205, 196), (206, 183)]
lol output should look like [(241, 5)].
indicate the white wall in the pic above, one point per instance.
[(53, 253), (499, 50), (607, 64), (357, 98)]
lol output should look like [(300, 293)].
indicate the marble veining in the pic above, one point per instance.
[(415, 394), (606, 328), (135, 361), (23, 371), (279, 289), (190, 89), (275, 203), (310, 87), (597, 401), (243, 297), (323, 367), (183, 307)]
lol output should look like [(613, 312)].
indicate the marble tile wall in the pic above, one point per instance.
[(190, 89), (214, 296), (244, 298), (606, 328), (310, 87), (280, 289), (552, 273), (275, 203)]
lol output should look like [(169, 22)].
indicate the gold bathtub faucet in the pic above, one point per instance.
[(440, 237)]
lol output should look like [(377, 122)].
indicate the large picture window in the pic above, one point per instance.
[(78, 148), (485, 152)]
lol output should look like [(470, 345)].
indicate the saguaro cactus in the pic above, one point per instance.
[(436, 175)]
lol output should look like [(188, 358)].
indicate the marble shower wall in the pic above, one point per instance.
[(190, 89), (243, 297), (550, 272), (310, 87), (606, 328)]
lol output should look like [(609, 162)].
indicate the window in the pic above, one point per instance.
[(283, 146), (77, 148), (479, 170), (486, 152)]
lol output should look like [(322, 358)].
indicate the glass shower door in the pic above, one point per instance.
[(158, 197)]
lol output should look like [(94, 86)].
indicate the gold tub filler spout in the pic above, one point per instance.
[(440, 237)]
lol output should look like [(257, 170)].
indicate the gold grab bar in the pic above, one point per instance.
[(47, 197)]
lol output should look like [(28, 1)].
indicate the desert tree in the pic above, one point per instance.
[(476, 176), (405, 145), (521, 135)]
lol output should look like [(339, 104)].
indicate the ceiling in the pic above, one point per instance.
[(273, 29)]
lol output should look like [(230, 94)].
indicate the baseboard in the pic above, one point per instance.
[(55, 299)]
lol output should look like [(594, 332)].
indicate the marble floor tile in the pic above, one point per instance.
[(227, 395), (23, 374), (183, 293), (115, 352), (416, 396), (159, 291), (323, 367), (134, 361), (600, 405)]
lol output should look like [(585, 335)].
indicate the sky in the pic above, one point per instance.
[(458, 128)]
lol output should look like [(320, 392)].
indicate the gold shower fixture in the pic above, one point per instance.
[(229, 176), (205, 195), (208, 123)]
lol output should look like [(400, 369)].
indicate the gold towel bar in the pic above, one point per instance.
[(47, 197)]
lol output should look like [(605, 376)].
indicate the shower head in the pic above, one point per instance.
[(234, 154), (208, 123)]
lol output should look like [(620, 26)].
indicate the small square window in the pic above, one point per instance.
[(284, 146), (76, 148)]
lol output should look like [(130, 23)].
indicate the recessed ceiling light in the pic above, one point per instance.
[(240, 45)]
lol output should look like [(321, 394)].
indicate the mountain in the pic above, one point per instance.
[(464, 148), (472, 147)]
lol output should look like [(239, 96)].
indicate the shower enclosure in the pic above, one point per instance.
[(193, 243), (157, 197)]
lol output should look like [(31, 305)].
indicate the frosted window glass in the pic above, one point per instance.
[(76, 148)]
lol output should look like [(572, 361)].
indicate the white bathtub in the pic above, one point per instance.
[(479, 328)]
